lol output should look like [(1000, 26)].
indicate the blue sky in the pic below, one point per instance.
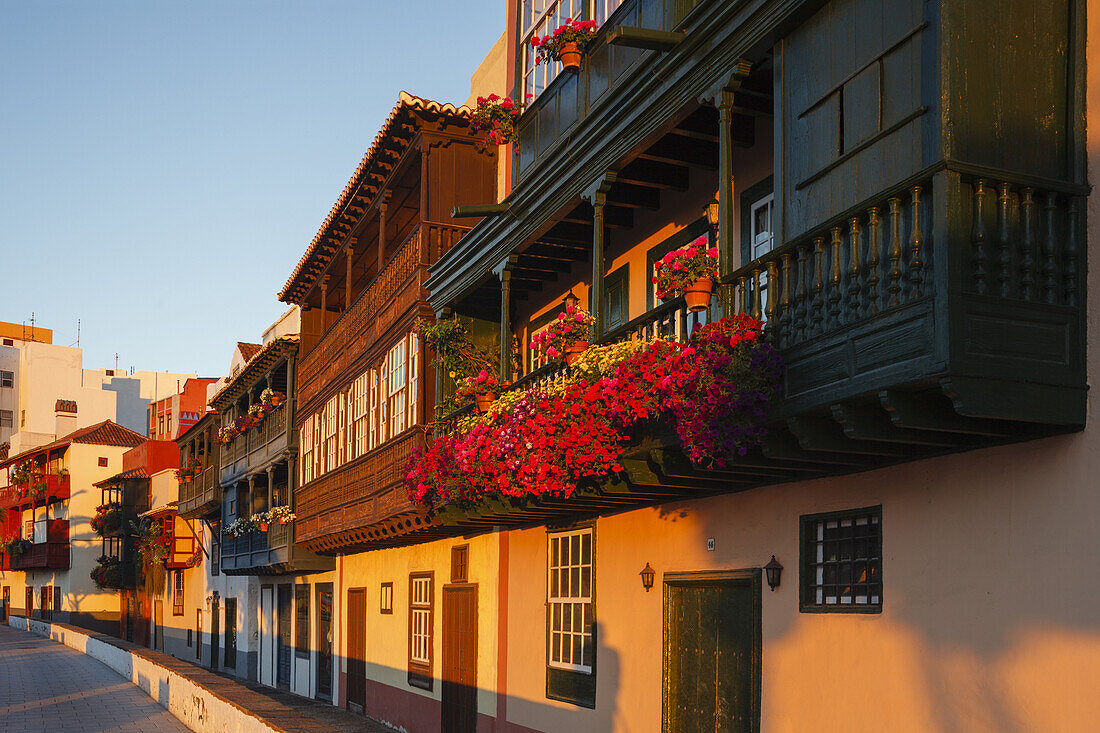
[(163, 165)]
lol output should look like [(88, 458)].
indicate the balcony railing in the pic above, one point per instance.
[(396, 289), (52, 552), (39, 491), (358, 494), (201, 494), (257, 447), (268, 553)]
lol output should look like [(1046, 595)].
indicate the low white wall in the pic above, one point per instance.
[(198, 708)]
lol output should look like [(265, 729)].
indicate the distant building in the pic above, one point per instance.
[(173, 415)]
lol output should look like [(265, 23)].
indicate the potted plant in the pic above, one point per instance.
[(498, 116), (108, 518), (689, 271), (257, 412), (226, 434), (260, 522), (566, 44), (239, 527), (482, 388), (281, 514), (272, 397), (568, 337)]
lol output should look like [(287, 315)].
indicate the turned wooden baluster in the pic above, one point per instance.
[(817, 304), (1050, 243), (1073, 224), (834, 279), (894, 285), (1027, 244), (855, 231), (755, 283), (874, 233), (786, 305), (916, 246), (743, 301), (1004, 241), (772, 310), (977, 236), (798, 315)]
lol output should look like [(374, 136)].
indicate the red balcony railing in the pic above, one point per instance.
[(51, 554), (39, 491)]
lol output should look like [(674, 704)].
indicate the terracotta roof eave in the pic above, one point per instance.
[(284, 345), (405, 101), (106, 432), (131, 473)]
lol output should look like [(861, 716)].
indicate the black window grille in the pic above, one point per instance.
[(841, 568)]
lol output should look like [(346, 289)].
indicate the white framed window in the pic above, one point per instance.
[(305, 442), (7, 379), (332, 408), (420, 630), (569, 600), (360, 401), (540, 18), (341, 421), (375, 428), (395, 396), (7, 419), (762, 232), (413, 380)]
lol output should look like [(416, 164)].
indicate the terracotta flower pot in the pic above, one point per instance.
[(276, 400), (262, 526), (570, 56), (283, 520), (698, 297), (573, 351), (484, 399)]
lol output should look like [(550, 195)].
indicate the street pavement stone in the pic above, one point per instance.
[(46, 686)]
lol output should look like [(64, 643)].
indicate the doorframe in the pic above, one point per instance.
[(750, 577)]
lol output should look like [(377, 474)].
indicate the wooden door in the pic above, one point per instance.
[(712, 652), (30, 601), (230, 661), (7, 602), (357, 648), (459, 658), (158, 625), (215, 633), (324, 641), (284, 642)]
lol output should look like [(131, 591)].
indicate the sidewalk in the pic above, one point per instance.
[(281, 710)]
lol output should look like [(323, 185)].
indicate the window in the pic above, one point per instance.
[(57, 599), (305, 441), (761, 233), (215, 549), (570, 617), (301, 624), (386, 599), (9, 342), (670, 327), (460, 563), (375, 426), (198, 634), (177, 593), (102, 462), (160, 425), (616, 305), (111, 546), (413, 379), (841, 567), (7, 379), (231, 633), (395, 393), (7, 419), (540, 18), (420, 630), (47, 602), (360, 400), (168, 424), (330, 414)]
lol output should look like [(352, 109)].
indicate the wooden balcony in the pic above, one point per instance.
[(361, 501), (202, 495), (52, 554), (39, 491), (395, 291), (257, 448), (273, 552)]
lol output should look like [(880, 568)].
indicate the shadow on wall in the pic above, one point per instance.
[(988, 619)]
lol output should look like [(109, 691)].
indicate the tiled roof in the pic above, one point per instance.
[(248, 350), (107, 432), (405, 102), (162, 509), (138, 472), (249, 373)]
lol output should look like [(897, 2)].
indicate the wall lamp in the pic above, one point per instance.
[(772, 571), (647, 577)]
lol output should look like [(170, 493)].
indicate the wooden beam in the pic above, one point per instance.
[(822, 434), (648, 38), (683, 151), (932, 412), (655, 174), (635, 197), (871, 422), (614, 217)]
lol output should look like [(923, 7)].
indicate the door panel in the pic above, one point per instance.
[(215, 633), (284, 642), (324, 641), (357, 651), (459, 659), (712, 652), (267, 635)]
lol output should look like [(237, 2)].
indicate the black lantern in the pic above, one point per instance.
[(712, 213), (647, 577), (772, 571), (570, 299)]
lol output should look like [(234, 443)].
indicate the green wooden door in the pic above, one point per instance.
[(712, 652)]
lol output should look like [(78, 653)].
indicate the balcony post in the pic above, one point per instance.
[(324, 304), (504, 272), (597, 195), (347, 278), (383, 204), (439, 376), (270, 486)]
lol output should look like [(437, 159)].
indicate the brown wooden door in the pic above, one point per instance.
[(459, 658), (712, 652), (357, 648), (7, 602), (30, 601)]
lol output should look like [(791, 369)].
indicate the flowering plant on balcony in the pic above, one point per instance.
[(22, 472), (716, 387), (107, 519), (498, 116), (281, 514), (108, 572), (272, 398), (567, 336), (190, 471), (153, 540), (15, 546), (260, 522), (570, 37), (482, 388), (227, 433), (244, 423), (680, 270), (240, 527)]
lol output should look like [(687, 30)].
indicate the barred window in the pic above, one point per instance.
[(330, 418), (420, 630), (305, 441), (569, 599), (177, 593), (413, 380), (841, 564)]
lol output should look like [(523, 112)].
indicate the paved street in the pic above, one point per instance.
[(46, 686)]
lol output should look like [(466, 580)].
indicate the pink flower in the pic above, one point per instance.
[(688, 351), (701, 241), (482, 375), (561, 316), (669, 257), (677, 266), (535, 41), (712, 252), (691, 252), (552, 352), (570, 310), (507, 102)]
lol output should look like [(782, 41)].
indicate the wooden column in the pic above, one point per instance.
[(504, 272), (324, 305), (347, 278), (725, 185), (597, 195), (270, 486), (383, 204)]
